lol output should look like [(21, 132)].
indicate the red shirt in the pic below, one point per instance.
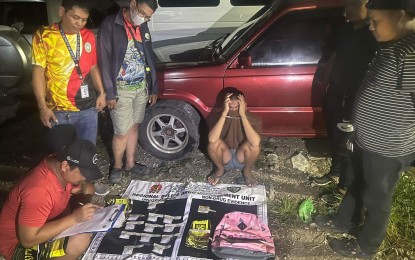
[(135, 29), (36, 199)]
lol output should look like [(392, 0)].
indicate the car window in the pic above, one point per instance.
[(188, 3), (32, 14), (296, 38), (238, 37)]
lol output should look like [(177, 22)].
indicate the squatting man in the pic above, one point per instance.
[(233, 141)]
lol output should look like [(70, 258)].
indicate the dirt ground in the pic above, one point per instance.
[(21, 147)]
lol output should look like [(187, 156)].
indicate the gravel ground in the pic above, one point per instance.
[(274, 169), (22, 145)]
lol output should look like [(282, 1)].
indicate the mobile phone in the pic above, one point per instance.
[(53, 123)]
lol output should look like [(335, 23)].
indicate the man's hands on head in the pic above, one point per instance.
[(226, 103), (242, 106)]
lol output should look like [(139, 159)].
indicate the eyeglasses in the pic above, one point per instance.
[(142, 14)]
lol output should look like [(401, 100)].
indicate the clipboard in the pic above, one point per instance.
[(103, 221)]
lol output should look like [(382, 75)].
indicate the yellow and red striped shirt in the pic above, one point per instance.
[(63, 84)]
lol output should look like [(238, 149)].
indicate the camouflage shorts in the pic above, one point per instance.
[(42, 251)]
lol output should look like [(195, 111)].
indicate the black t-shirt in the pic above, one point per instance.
[(354, 51)]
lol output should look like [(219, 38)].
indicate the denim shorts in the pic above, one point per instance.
[(130, 109), (234, 163), (84, 121)]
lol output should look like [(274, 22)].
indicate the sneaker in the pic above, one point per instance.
[(323, 180), (115, 176), (332, 199), (138, 169), (341, 190), (101, 189)]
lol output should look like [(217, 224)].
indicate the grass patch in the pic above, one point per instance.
[(285, 209), (400, 240)]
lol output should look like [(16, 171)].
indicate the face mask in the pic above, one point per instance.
[(135, 18)]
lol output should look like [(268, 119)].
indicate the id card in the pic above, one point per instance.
[(84, 91)]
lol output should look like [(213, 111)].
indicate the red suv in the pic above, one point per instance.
[(276, 59)]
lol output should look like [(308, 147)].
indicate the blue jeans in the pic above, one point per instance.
[(85, 122)]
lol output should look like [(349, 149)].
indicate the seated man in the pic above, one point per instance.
[(32, 215), (233, 141)]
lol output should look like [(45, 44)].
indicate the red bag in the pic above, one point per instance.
[(242, 235)]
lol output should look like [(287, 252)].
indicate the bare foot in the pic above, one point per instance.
[(250, 180), (214, 177)]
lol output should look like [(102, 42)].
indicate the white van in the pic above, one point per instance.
[(185, 21)]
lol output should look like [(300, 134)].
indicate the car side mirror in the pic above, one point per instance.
[(244, 60)]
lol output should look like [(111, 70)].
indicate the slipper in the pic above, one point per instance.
[(349, 248), (138, 169), (326, 223), (240, 180), (216, 179), (323, 180), (253, 183)]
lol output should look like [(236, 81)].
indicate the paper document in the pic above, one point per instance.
[(103, 220)]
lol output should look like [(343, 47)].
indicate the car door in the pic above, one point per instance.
[(281, 81)]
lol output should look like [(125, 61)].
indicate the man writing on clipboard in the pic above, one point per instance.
[(36, 210)]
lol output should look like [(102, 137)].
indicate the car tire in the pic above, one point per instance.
[(170, 130)]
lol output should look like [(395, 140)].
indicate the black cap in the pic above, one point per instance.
[(59, 136), (82, 154), (406, 5)]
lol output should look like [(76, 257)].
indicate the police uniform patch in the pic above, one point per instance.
[(88, 47)]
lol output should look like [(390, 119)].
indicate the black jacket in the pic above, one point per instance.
[(112, 46)]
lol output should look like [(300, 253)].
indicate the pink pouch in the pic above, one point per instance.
[(242, 235)]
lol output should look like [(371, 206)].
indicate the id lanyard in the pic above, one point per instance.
[(146, 67), (137, 46), (78, 54)]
